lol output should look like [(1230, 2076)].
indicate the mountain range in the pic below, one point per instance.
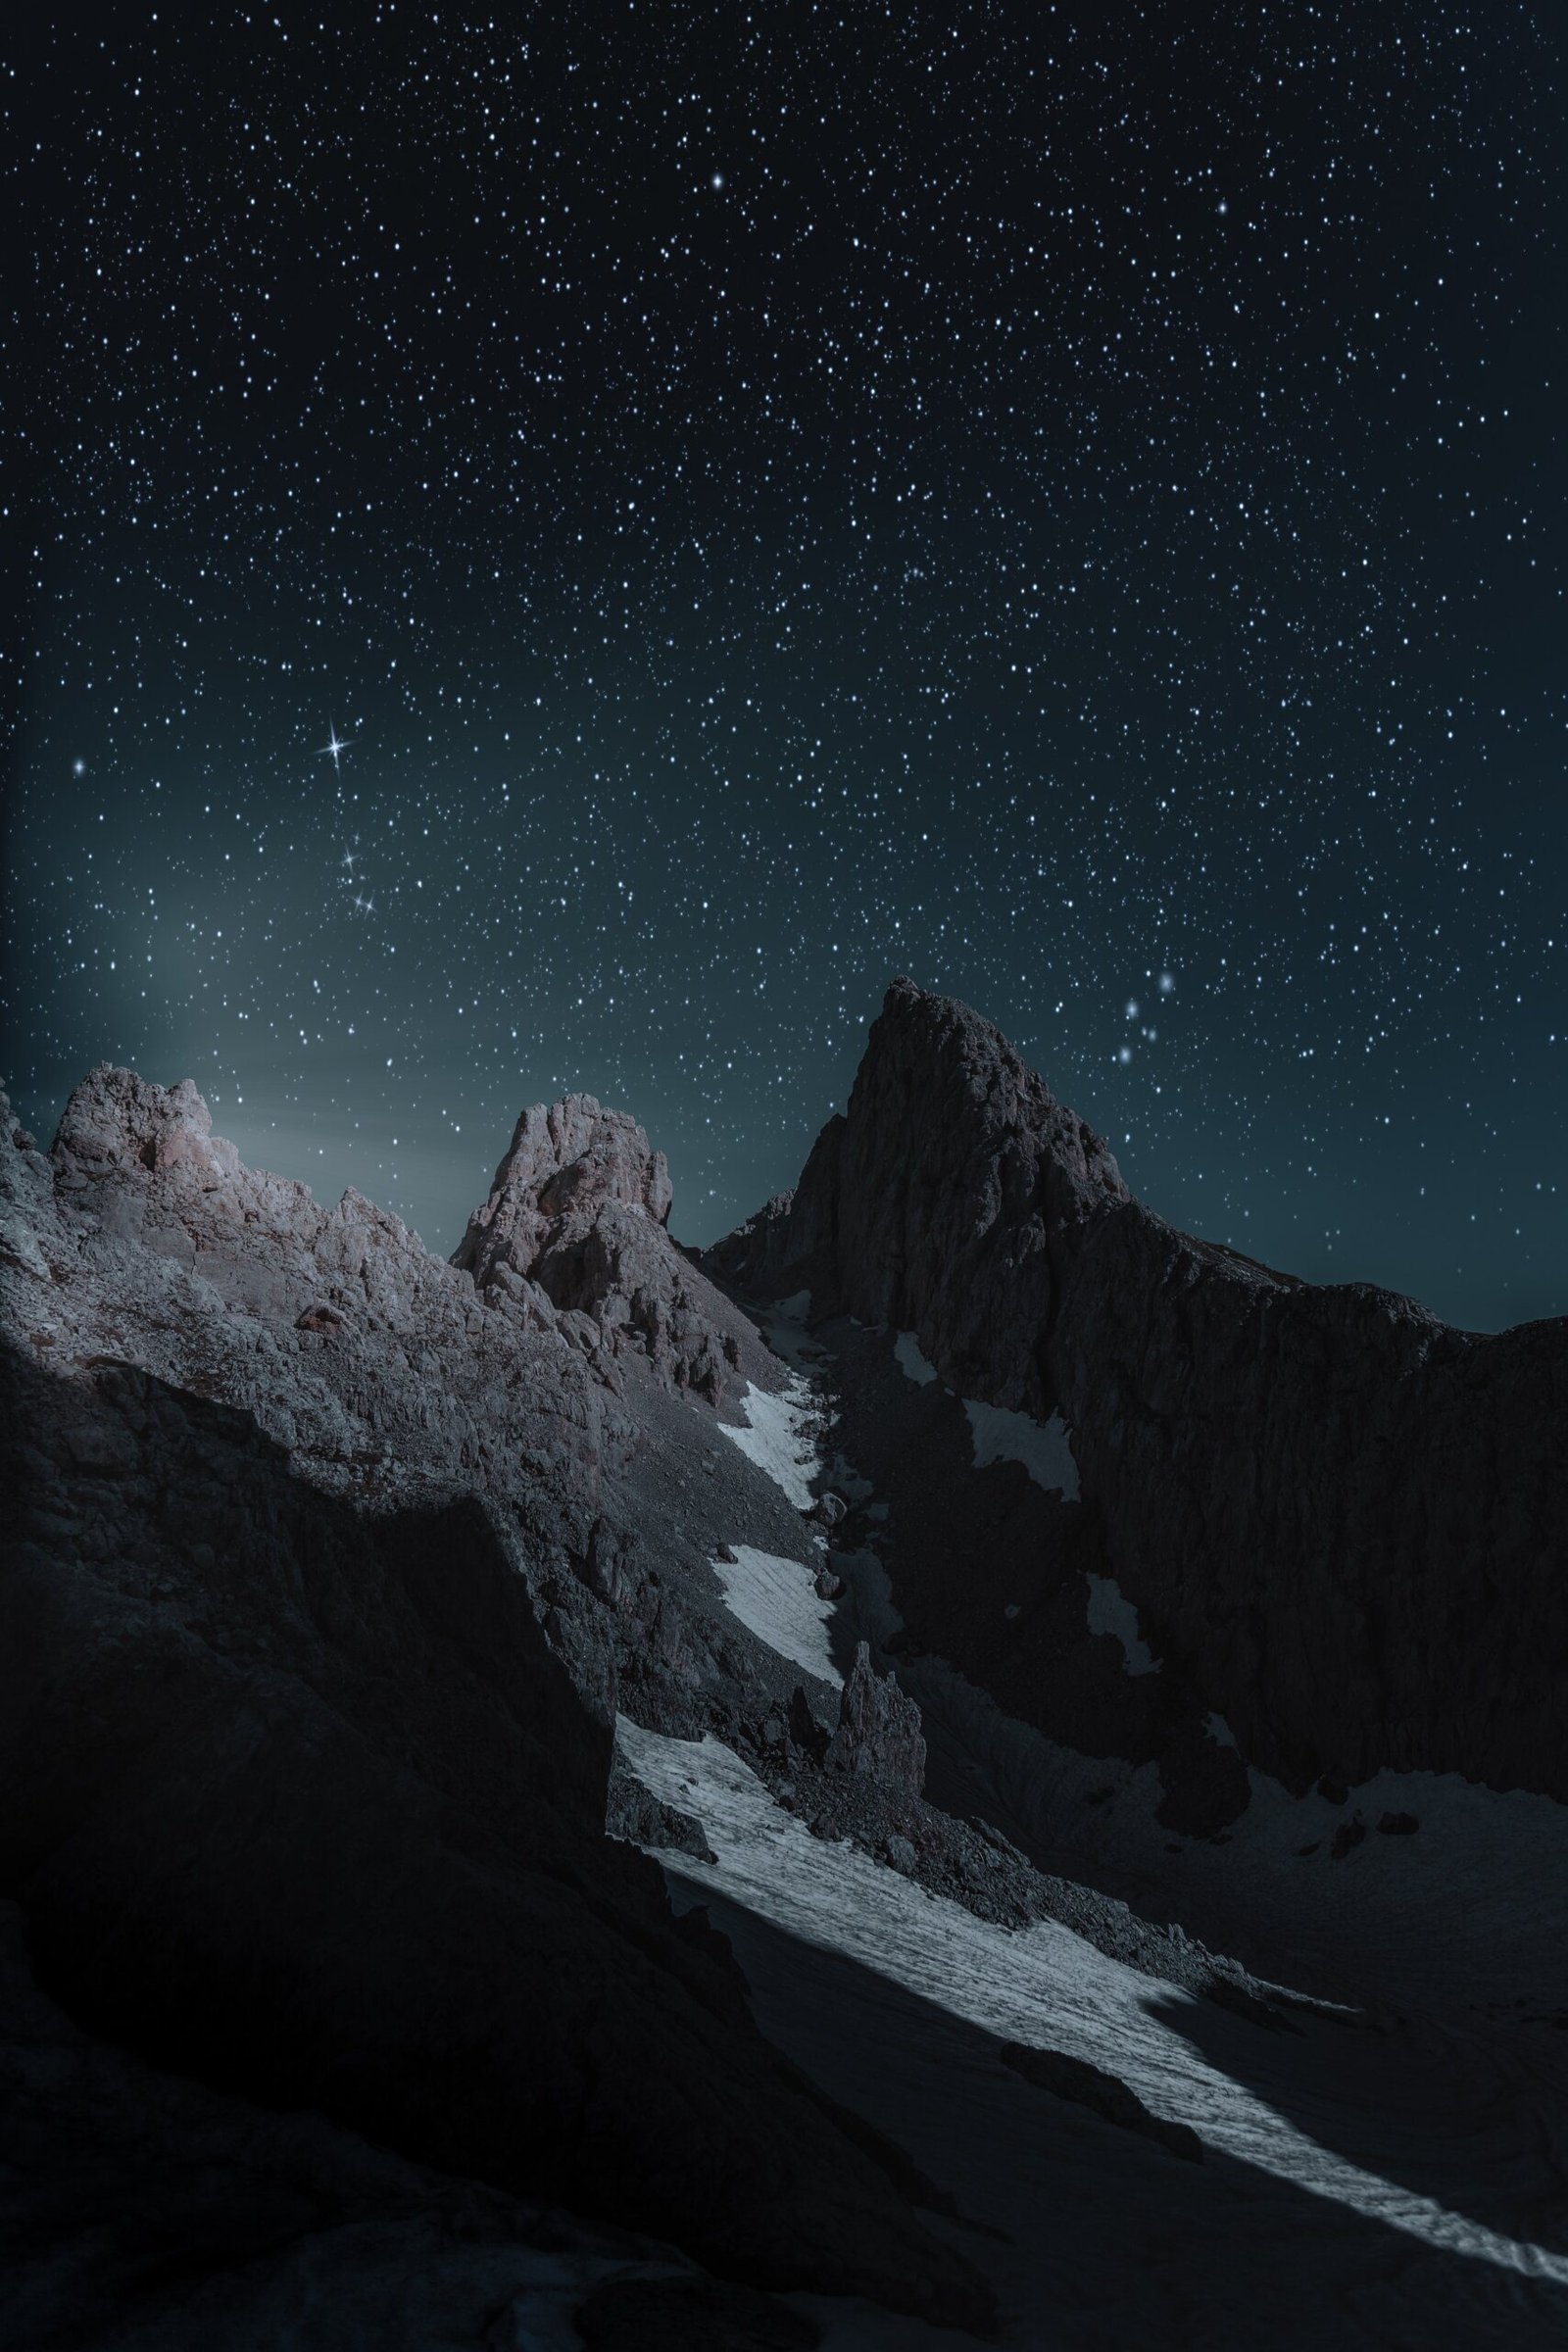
[(961, 1766)]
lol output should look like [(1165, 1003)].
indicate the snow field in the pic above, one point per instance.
[(777, 1438), (1110, 1612), (1042, 1446), (776, 1600)]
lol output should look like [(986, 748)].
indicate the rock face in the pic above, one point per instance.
[(326, 1576), (578, 1213), (116, 1119), (1341, 1523)]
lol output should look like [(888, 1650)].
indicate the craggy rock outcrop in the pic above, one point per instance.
[(326, 1574), (633, 1813), (878, 1730), (578, 1213), (389, 1380), (1343, 1524)]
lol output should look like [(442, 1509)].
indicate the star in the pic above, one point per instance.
[(334, 749)]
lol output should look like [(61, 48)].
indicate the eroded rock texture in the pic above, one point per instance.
[(1343, 1524), (578, 1213), (326, 1576), (878, 1730)]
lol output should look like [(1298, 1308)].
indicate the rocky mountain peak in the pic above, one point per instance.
[(118, 1119), (568, 1163), (577, 1214), (1270, 1466), (938, 1202), (965, 1072), (572, 1237)]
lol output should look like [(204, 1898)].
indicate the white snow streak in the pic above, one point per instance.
[(910, 1363), (1111, 1612), (1042, 1985)]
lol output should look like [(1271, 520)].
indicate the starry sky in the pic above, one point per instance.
[(565, 546)]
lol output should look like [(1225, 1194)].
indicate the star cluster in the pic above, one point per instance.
[(567, 547)]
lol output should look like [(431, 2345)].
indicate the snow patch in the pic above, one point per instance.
[(910, 1363), (848, 1482), (1110, 1612), (777, 1438), (1044, 1448), (776, 1601), (1043, 1986)]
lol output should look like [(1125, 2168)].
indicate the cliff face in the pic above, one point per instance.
[(1343, 1524)]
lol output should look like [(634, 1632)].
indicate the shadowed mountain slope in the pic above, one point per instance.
[(325, 1574)]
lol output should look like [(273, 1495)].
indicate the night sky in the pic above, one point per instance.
[(1067, 503)]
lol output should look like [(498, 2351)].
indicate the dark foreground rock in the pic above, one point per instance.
[(142, 2210), (304, 1805), (1344, 1526), (687, 2314)]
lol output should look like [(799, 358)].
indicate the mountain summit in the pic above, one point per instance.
[(1343, 1523)]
